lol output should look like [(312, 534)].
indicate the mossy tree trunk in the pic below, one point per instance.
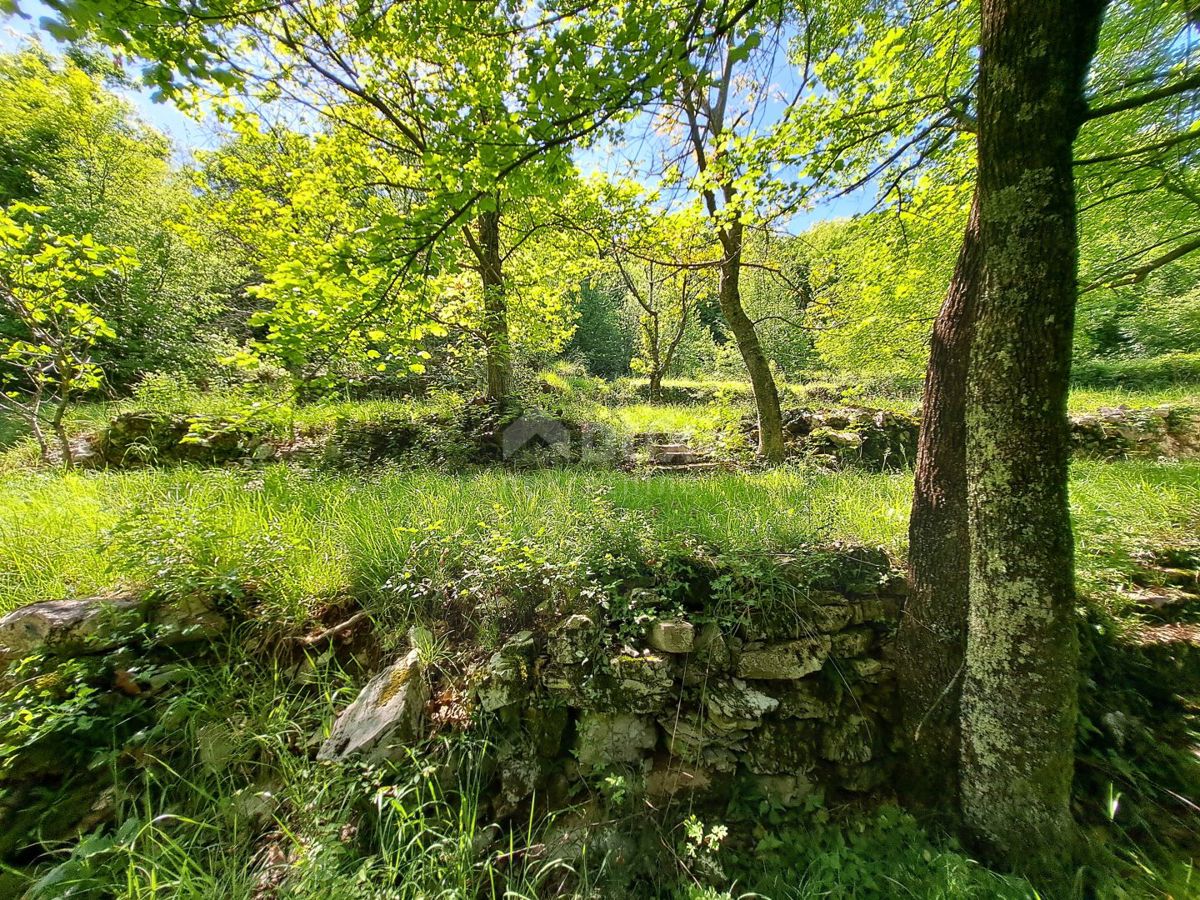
[(1019, 691), (931, 644), (495, 306), (762, 379)]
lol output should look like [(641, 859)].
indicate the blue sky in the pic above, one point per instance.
[(186, 134)]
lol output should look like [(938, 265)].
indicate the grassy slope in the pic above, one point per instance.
[(328, 533), (304, 536)]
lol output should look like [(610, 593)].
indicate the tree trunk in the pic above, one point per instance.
[(656, 379), (495, 308), (931, 644), (1019, 690), (60, 431), (766, 395)]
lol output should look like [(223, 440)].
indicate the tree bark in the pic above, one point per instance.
[(655, 390), (495, 308), (762, 380), (1019, 692), (932, 640)]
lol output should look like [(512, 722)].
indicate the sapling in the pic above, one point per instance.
[(49, 328)]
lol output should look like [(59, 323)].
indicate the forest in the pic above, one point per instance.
[(701, 449)]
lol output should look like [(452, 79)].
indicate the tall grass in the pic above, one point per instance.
[(72, 534)]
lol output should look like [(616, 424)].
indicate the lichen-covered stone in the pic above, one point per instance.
[(861, 777), (737, 705), (807, 699), (790, 660), (186, 619), (545, 726), (519, 778), (710, 656), (797, 616), (870, 669), (624, 683), (69, 627), (603, 740), (147, 438), (506, 677), (575, 641), (853, 642), (388, 714), (875, 611), (698, 740), (670, 776), (783, 747), (848, 740), (673, 636)]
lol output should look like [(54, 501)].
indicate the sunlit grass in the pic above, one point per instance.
[(1092, 399), (331, 532)]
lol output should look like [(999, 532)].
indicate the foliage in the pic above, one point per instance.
[(72, 146), (46, 282)]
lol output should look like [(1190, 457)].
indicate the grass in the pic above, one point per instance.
[(223, 793), (298, 538), (74, 534)]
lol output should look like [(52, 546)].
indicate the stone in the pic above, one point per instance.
[(861, 778), (868, 669), (624, 683), (710, 656), (733, 702), (804, 700), (185, 620), (603, 740), (388, 714), (848, 440), (69, 627), (854, 642), (506, 676), (519, 778), (672, 637), (847, 740), (783, 747), (545, 727), (790, 660), (873, 610), (698, 741), (147, 438), (791, 618), (670, 777), (575, 641)]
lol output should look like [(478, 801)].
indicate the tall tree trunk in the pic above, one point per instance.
[(495, 308), (931, 644), (762, 380), (1019, 691)]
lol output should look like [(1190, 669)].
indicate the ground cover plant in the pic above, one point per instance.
[(534, 450)]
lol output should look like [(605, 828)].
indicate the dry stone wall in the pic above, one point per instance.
[(779, 698)]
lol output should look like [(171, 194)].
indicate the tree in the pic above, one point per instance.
[(663, 272), (727, 183), (932, 639), (69, 144), (1021, 670), (45, 279), (465, 106)]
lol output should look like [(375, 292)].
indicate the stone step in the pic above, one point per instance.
[(687, 468)]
